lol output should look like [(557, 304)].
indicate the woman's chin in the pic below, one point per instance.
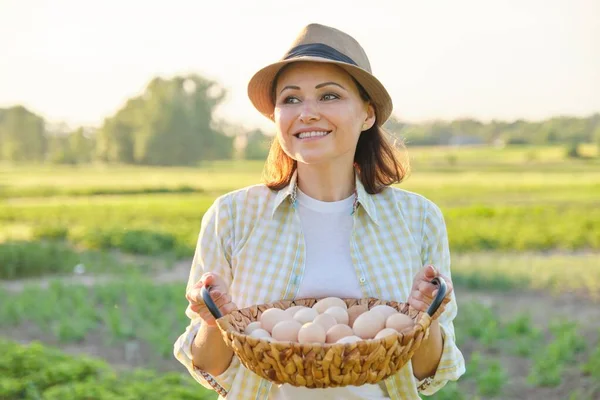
[(312, 159)]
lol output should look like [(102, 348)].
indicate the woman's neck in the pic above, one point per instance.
[(326, 183)]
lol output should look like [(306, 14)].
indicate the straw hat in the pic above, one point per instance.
[(320, 43)]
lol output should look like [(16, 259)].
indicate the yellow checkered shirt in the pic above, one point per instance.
[(252, 238)]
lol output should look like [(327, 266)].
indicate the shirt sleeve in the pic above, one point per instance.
[(212, 253), (435, 251)]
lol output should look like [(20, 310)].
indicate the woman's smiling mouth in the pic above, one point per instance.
[(311, 134)]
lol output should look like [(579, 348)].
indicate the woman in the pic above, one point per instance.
[(325, 223)]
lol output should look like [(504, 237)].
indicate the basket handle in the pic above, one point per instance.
[(439, 297), (210, 304), (437, 302)]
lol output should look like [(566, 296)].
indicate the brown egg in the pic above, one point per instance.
[(311, 333), (251, 327), (337, 332), (329, 302), (385, 310), (286, 331), (349, 339), (399, 322), (260, 333), (368, 324), (386, 332), (326, 321), (305, 315), (355, 311), (339, 313), (292, 310), (271, 317)]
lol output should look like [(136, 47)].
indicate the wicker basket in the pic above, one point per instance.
[(324, 365)]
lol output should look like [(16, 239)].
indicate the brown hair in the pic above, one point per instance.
[(377, 160)]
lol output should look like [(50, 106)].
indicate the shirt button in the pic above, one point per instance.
[(362, 279)]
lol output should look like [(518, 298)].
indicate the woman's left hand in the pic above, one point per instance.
[(423, 291)]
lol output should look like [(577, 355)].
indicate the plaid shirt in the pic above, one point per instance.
[(252, 238)]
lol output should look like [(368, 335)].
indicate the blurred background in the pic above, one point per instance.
[(120, 122)]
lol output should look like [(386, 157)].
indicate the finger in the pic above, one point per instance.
[(228, 308), (449, 285), (427, 289), (222, 302), (421, 297), (208, 318), (430, 272), (197, 308), (418, 304), (193, 295), (206, 315), (202, 281), (439, 311), (426, 273)]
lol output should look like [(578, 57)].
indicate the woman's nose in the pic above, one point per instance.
[(309, 112)]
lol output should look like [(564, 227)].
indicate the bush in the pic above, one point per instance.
[(21, 259), (38, 372)]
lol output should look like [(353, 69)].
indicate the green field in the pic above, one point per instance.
[(107, 249)]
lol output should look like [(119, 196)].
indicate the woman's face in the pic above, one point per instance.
[(319, 114)]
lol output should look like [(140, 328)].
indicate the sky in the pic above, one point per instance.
[(79, 61)]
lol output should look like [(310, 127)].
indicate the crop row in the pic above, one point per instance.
[(139, 310), (163, 224)]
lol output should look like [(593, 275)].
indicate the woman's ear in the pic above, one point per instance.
[(370, 119)]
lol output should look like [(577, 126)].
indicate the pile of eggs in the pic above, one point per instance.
[(328, 321)]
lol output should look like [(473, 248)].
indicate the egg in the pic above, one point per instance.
[(385, 310), (386, 332), (399, 322), (251, 327), (349, 339), (368, 324), (286, 331), (339, 313), (271, 317), (311, 333), (292, 310), (260, 333), (355, 311), (329, 302), (305, 315), (337, 332), (325, 320)]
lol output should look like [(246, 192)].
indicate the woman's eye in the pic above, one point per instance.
[(290, 100), (330, 96)]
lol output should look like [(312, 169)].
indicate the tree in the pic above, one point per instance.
[(257, 146), (169, 124), (22, 136)]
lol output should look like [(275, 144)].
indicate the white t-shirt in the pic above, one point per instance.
[(327, 227)]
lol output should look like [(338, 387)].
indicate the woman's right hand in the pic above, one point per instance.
[(218, 293)]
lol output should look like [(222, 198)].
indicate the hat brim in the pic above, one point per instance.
[(259, 87)]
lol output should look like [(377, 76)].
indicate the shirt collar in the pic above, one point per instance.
[(365, 200)]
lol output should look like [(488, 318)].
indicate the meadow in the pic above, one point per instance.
[(94, 261)]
